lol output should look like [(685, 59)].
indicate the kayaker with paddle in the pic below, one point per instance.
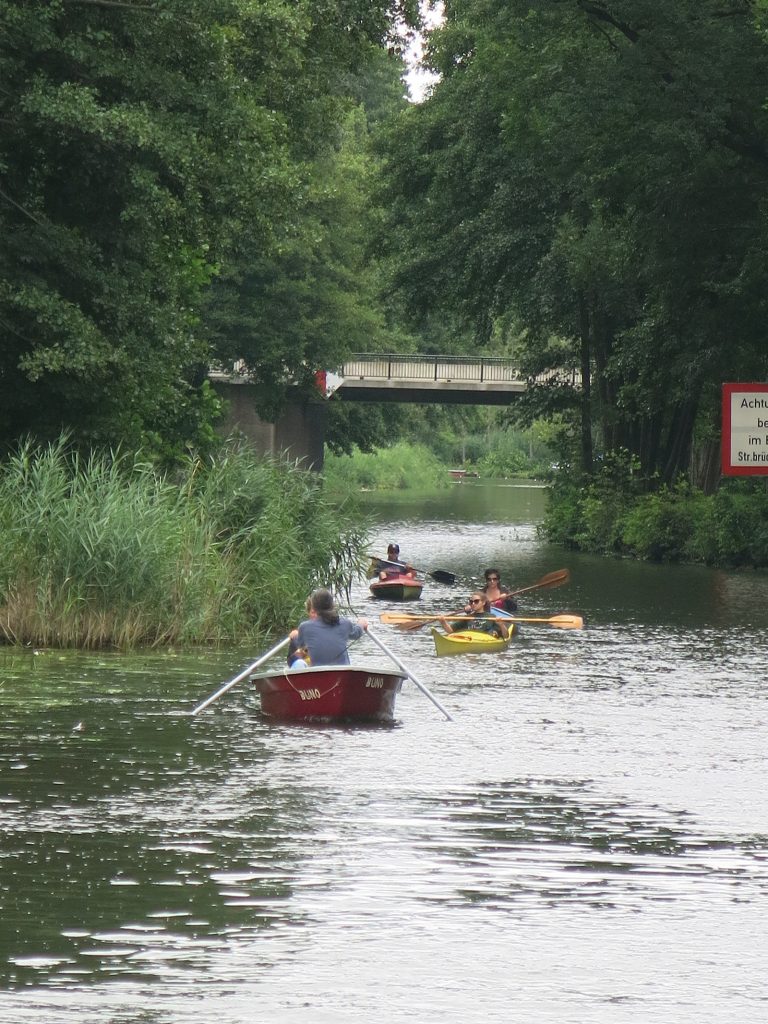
[(325, 634), (498, 595), (392, 566), (479, 617)]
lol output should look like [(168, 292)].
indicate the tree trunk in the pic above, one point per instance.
[(587, 457)]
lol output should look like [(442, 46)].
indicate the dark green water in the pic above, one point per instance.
[(587, 841)]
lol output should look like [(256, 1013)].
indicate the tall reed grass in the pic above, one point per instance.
[(105, 550)]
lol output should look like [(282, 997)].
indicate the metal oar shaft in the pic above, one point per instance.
[(408, 672), (242, 675)]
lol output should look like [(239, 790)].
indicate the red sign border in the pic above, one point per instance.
[(725, 444)]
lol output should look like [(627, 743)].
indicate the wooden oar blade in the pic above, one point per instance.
[(403, 619), (555, 579), (566, 621), (552, 579)]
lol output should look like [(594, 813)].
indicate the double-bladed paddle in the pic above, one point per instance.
[(552, 579), (441, 575), (560, 621)]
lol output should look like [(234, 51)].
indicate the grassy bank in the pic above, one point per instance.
[(108, 551)]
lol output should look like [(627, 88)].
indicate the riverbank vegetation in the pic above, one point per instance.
[(400, 467), (440, 439), (614, 514), (105, 550), (599, 216)]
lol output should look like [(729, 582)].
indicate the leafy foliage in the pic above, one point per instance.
[(596, 172), (148, 148)]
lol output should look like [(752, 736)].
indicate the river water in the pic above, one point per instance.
[(586, 841)]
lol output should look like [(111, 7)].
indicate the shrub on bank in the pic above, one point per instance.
[(728, 528), (106, 550), (401, 467)]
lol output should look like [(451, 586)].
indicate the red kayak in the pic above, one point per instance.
[(397, 588), (330, 692)]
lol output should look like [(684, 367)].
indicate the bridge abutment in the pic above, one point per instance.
[(298, 433)]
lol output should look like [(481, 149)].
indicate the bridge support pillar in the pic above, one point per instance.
[(299, 432)]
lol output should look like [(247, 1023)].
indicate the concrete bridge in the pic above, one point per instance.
[(373, 377), (467, 380)]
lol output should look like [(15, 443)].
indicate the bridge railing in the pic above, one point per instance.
[(469, 369)]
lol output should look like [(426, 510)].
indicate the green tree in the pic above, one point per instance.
[(596, 171), (141, 141)]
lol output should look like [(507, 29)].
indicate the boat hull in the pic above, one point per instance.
[(470, 641), (330, 693), (397, 588)]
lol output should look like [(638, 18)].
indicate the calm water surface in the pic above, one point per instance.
[(587, 840)]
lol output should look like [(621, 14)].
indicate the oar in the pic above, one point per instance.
[(441, 575), (560, 621), (552, 579), (411, 676), (241, 675)]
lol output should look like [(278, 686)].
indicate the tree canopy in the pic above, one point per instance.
[(595, 172), (146, 146)]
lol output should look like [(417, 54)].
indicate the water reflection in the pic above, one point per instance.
[(595, 813), (511, 843)]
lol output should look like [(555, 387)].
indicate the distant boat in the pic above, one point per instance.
[(346, 693), (397, 588)]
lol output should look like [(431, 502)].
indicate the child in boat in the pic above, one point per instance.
[(481, 618), (325, 634), (298, 657)]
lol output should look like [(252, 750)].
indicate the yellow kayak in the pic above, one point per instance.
[(470, 641)]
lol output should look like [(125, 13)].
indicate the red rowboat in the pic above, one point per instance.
[(398, 588), (330, 692)]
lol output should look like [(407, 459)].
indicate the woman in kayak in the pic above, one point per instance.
[(497, 594), (481, 618), (325, 634)]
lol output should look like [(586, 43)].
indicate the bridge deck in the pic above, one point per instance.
[(482, 380)]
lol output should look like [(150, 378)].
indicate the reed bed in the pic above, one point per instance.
[(106, 550)]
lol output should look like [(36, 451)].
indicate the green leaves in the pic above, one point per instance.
[(595, 171), (144, 147)]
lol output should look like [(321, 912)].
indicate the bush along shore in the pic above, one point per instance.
[(106, 550), (728, 528)]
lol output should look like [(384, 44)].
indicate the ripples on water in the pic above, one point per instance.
[(585, 842)]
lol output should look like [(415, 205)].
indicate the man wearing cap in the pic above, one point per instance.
[(392, 566)]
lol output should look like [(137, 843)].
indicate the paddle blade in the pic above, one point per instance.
[(566, 621), (442, 576), (552, 579), (403, 620), (555, 579)]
